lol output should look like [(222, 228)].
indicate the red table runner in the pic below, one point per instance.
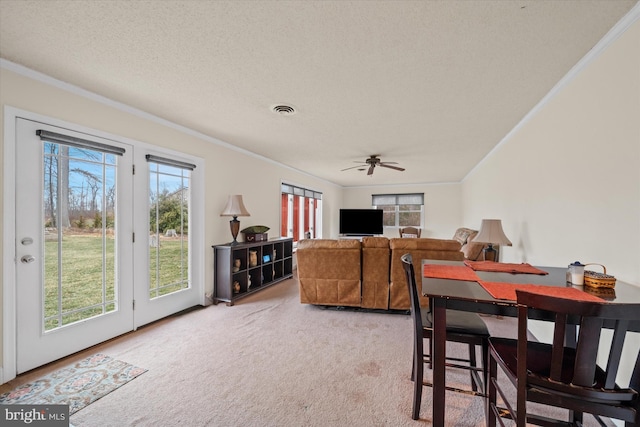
[(502, 267), (507, 291), (454, 272)]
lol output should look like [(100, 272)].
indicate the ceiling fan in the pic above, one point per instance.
[(373, 161)]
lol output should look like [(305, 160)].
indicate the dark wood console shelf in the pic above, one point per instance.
[(236, 276)]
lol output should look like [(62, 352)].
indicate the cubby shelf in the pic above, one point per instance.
[(253, 266)]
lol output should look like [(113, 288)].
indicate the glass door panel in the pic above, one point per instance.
[(168, 228), (79, 234)]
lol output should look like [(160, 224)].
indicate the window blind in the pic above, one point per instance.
[(299, 191), (170, 162), (73, 141), (397, 199)]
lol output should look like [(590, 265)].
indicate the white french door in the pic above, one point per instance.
[(99, 249), (74, 249), (169, 254)]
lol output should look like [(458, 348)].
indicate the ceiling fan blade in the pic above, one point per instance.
[(370, 171), (386, 165), (353, 167)]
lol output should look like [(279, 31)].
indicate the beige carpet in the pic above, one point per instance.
[(271, 361)]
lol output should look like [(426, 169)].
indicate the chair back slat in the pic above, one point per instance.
[(557, 354), (523, 332), (634, 383), (587, 351), (617, 344)]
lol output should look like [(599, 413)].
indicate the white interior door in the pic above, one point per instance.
[(74, 250)]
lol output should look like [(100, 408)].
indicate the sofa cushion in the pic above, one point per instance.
[(463, 235), (424, 244), (472, 250), (375, 242)]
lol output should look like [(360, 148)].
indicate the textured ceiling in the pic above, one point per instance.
[(432, 85)]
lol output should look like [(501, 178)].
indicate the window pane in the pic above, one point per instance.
[(388, 216), (409, 219), (79, 217), (410, 199), (168, 229)]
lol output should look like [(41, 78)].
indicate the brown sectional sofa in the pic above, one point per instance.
[(365, 274)]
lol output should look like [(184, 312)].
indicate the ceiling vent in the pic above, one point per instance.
[(283, 109)]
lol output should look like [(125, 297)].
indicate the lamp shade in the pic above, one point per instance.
[(491, 232), (235, 207)]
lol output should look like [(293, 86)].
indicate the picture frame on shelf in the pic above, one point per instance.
[(266, 258)]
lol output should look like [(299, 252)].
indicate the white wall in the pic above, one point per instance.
[(443, 206), (566, 184)]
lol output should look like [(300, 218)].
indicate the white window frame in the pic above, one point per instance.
[(306, 198), (378, 201)]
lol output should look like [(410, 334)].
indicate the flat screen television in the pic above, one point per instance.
[(361, 222)]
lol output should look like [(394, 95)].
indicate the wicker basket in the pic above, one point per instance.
[(607, 294), (599, 280)]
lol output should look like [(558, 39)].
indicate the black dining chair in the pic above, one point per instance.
[(554, 374), (462, 327)]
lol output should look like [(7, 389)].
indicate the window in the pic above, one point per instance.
[(400, 210), (301, 212)]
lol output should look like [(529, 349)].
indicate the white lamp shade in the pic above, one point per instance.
[(491, 232), (235, 207)]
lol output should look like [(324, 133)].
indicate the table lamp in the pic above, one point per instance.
[(492, 234), (235, 208)]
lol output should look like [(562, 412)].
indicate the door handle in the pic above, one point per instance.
[(27, 259)]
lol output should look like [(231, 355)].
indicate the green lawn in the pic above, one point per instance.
[(80, 271)]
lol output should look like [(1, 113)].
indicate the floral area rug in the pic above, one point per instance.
[(76, 385)]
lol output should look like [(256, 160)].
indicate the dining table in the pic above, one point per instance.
[(455, 285)]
